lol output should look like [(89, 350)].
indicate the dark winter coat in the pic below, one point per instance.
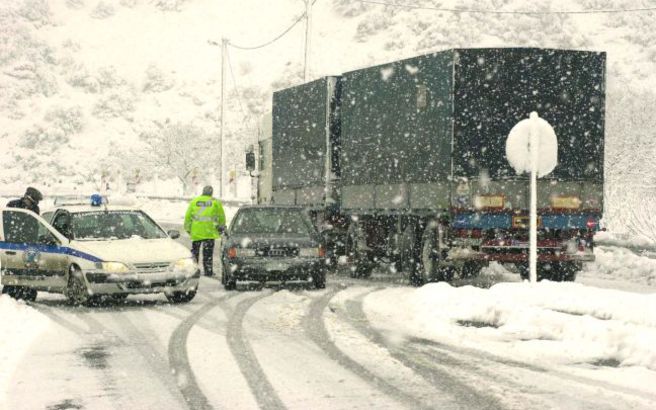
[(24, 203)]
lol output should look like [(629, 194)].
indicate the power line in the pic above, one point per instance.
[(480, 11), (276, 38), (234, 85)]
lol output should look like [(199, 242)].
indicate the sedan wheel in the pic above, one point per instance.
[(319, 280)]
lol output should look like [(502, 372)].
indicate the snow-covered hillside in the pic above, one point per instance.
[(89, 87)]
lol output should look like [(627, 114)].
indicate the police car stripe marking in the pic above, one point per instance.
[(63, 250)]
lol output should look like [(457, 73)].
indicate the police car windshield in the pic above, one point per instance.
[(271, 221), (108, 225)]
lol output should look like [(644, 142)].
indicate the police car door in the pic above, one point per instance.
[(32, 254)]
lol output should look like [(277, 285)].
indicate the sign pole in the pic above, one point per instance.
[(532, 147), (533, 235)]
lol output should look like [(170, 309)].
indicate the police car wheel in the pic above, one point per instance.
[(76, 290)]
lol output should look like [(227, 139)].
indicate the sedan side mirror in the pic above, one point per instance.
[(173, 234)]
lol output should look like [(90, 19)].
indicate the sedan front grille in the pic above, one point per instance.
[(152, 267)]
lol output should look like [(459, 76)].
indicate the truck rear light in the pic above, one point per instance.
[(591, 223), (232, 252), (322, 252)]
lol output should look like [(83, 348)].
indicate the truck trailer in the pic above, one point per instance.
[(405, 162)]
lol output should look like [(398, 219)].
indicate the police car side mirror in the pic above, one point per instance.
[(173, 234)]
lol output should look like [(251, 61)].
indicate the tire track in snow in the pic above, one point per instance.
[(142, 342), (446, 355), (94, 355), (179, 358), (314, 326), (265, 395), (462, 394)]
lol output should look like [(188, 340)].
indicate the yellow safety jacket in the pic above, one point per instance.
[(203, 218)]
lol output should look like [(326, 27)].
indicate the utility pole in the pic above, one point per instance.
[(308, 32), (224, 55)]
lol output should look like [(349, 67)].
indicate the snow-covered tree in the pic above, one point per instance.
[(182, 150)]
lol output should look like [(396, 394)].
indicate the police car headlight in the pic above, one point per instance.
[(115, 267), (186, 265)]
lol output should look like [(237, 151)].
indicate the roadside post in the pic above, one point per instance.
[(532, 147)]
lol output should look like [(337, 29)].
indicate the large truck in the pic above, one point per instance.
[(405, 162)]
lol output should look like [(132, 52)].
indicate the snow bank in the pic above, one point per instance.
[(621, 264), (545, 323), (19, 327)]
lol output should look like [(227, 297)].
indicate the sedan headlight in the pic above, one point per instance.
[(309, 252), (114, 267), (186, 264)]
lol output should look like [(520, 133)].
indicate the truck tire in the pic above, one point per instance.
[(471, 269), (361, 266), (429, 268), (553, 271), (564, 271), (408, 255)]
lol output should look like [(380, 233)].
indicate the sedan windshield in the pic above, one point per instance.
[(114, 225), (271, 221)]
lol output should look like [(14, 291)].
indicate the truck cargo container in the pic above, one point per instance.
[(406, 160)]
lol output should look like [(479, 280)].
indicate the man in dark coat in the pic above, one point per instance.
[(29, 201)]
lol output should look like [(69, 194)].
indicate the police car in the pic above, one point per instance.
[(92, 250)]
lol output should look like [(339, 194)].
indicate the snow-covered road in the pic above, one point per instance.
[(357, 344)]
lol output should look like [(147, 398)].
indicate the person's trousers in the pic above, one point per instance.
[(208, 254)]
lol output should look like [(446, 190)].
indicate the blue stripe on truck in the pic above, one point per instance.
[(504, 221)]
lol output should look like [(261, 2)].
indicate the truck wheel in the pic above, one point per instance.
[(408, 251), (361, 266), (429, 256), (564, 271), (471, 269), (429, 267)]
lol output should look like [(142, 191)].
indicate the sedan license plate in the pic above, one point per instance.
[(276, 266)]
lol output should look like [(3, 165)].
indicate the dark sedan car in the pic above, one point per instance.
[(272, 243)]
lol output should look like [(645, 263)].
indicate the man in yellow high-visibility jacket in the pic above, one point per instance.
[(204, 222)]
